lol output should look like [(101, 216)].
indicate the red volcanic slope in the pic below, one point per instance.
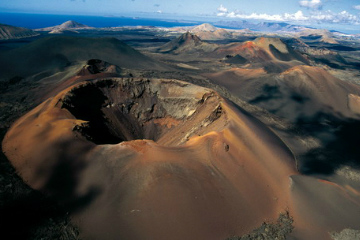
[(271, 53)]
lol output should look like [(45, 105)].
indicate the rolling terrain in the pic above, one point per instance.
[(53, 54), (299, 92)]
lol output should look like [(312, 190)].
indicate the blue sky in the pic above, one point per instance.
[(296, 11)]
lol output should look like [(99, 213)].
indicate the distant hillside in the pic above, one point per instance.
[(69, 25), (299, 93), (318, 35), (52, 54), (10, 32)]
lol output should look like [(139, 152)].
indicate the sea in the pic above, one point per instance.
[(34, 21)]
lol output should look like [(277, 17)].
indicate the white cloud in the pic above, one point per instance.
[(222, 9), (298, 16), (314, 4), (261, 16), (357, 7), (343, 17)]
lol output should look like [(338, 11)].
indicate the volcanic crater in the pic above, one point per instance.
[(131, 151), (118, 109)]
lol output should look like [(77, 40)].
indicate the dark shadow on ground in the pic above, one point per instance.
[(340, 139), (26, 213)]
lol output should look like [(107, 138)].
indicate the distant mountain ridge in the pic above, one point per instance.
[(10, 32)]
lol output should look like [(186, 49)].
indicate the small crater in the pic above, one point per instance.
[(226, 147)]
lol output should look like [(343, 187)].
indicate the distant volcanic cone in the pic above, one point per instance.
[(187, 43), (152, 158), (68, 25), (95, 66)]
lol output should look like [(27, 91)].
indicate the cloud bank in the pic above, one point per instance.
[(342, 17)]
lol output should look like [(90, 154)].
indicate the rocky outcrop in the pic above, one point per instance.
[(95, 66)]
